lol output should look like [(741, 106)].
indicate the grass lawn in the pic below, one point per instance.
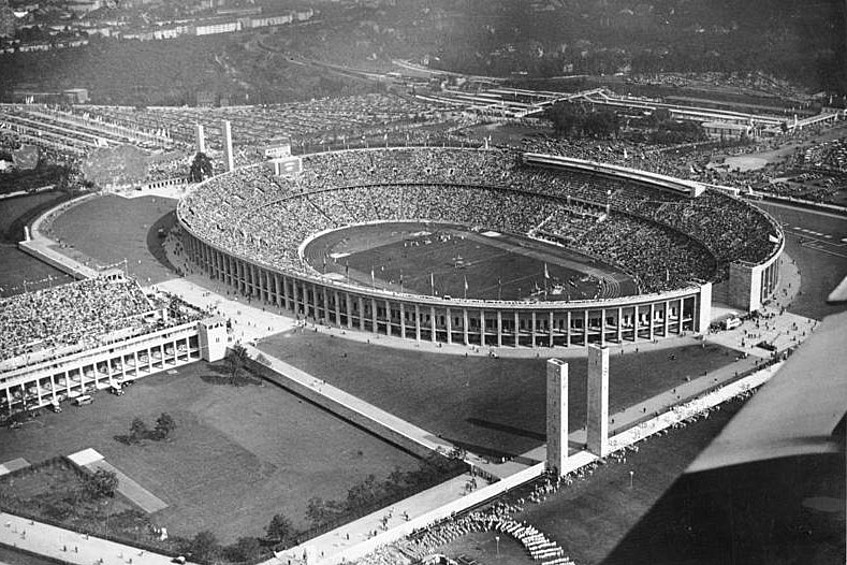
[(17, 266), (591, 517), (239, 454), (494, 406), (110, 229), (423, 254)]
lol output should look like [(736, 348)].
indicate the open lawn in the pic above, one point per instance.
[(110, 229), (239, 455), (493, 406), (591, 517), (427, 258), (17, 266)]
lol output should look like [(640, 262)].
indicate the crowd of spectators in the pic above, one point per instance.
[(69, 314), (664, 240)]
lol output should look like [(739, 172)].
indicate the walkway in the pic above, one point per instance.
[(71, 547)]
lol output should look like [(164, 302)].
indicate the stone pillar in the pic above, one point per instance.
[(703, 303), (417, 322), (550, 322), (620, 324), (200, 138), (557, 416), (402, 320), (465, 326), (517, 329), (432, 327), (482, 328), (449, 318), (597, 429), (229, 158), (499, 328), (533, 321)]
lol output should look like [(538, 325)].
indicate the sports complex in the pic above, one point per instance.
[(583, 252), (429, 285)]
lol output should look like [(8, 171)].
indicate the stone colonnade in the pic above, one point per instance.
[(468, 322)]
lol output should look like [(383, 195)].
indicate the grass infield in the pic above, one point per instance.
[(432, 258), (492, 406)]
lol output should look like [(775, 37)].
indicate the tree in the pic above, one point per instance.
[(201, 168), (279, 529), (204, 546), (236, 359), (103, 483), (138, 430), (246, 548), (165, 424), (321, 512), (364, 494)]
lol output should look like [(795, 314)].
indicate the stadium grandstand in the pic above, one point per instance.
[(250, 228), (65, 341)]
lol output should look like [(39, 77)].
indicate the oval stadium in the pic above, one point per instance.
[(481, 246)]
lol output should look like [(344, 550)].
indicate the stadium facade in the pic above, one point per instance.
[(246, 262)]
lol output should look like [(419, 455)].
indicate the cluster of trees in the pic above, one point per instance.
[(101, 484), (201, 168), (205, 547), (660, 128), (370, 492), (580, 120), (138, 430)]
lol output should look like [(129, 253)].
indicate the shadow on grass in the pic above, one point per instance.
[(154, 242), (506, 428)]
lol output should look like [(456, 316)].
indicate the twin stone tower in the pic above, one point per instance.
[(597, 414)]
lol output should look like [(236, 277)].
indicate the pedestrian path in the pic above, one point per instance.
[(71, 547)]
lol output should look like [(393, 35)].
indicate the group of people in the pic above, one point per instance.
[(69, 314), (664, 240)]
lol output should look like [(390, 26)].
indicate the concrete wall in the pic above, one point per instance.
[(297, 386)]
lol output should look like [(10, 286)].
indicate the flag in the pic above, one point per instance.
[(773, 239), (546, 272), (432, 282), (466, 283)]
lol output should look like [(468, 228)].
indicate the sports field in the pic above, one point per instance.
[(239, 455), (17, 266), (492, 406), (110, 229), (449, 260)]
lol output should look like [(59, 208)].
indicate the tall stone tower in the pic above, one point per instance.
[(597, 429), (557, 416), (200, 138), (226, 128)]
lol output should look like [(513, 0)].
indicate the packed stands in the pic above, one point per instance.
[(664, 240), (74, 315)]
